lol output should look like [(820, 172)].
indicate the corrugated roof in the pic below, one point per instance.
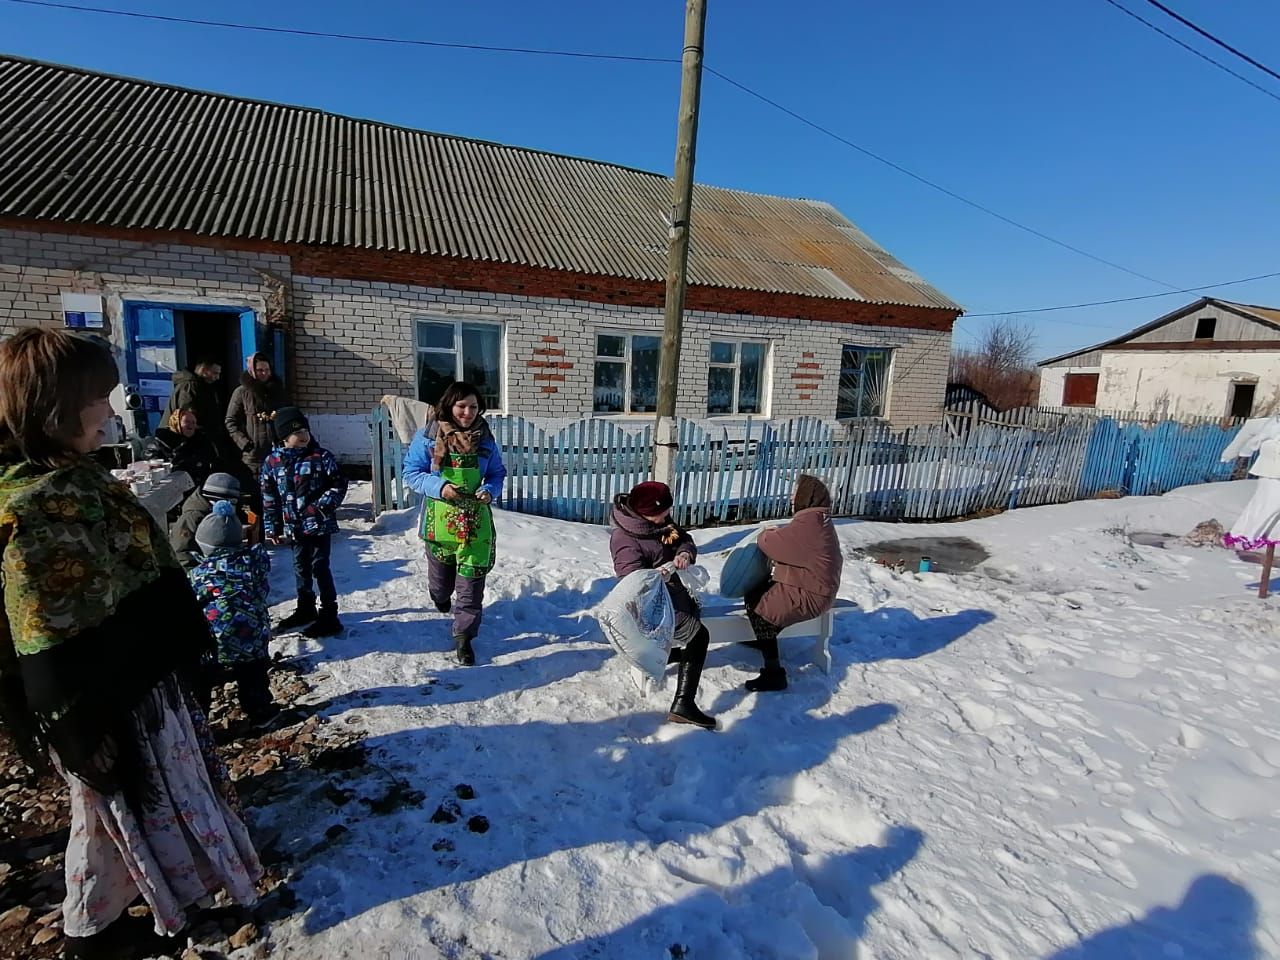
[(84, 147), (1269, 314), (1266, 315)]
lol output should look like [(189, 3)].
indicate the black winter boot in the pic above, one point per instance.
[(326, 625), (304, 614), (771, 678), (445, 605), (463, 652), (683, 709), (675, 655)]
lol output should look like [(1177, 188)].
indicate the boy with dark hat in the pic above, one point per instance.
[(302, 489), (197, 506)]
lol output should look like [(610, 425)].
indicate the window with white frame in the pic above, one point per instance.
[(626, 374), (449, 351), (864, 382), (735, 377)]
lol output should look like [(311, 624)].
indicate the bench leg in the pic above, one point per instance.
[(646, 684), (822, 644)]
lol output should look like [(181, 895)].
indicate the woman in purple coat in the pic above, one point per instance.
[(645, 538)]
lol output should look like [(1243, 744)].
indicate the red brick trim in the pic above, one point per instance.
[(427, 270)]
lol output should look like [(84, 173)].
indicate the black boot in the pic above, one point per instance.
[(463, 652), (304, 614), (326, 625), (445, 605), (683, 709), (675, 655), (771, 678)]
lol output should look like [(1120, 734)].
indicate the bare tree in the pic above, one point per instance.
[(1001, 365)]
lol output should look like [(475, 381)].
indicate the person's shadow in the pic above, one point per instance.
[(1214, 921), (825, 902), (894, 633), (550, 786)]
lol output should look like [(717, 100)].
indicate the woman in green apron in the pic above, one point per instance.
[(455, 464)]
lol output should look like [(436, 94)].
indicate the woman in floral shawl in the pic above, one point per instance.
[(98, 632), (455, 464)]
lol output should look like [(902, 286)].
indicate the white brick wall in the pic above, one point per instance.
[(354, 341), (358, 337)]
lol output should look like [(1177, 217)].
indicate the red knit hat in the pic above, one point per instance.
[(649, 498)]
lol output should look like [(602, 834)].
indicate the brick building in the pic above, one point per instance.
[(373, 259)]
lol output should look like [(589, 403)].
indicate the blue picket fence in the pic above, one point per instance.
[(925, 473)]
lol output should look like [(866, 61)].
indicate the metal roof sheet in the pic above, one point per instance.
[(84, 147)]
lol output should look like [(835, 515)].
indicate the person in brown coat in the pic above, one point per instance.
[(806, 574)]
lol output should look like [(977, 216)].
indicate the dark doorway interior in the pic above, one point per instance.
[(1242, 399), (211, 335)]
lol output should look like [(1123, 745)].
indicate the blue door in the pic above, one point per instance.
[(151, 357)]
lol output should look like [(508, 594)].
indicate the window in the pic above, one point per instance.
[(450, 351), (1205, 327), (626, 373), (1080, 390), (735, 378), (864, 382)]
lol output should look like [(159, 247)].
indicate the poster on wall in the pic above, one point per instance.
[(82, 311)]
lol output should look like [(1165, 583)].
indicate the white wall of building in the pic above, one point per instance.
[(1186, 383)]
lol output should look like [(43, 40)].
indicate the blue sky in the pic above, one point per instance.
[(1067, 116)]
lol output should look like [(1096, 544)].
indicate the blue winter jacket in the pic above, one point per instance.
[(420, 478), (232, 586), (301, 491)]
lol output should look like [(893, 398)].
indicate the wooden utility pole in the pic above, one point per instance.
[(695, 20)]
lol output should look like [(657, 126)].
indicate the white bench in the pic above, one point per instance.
[(726, 621)]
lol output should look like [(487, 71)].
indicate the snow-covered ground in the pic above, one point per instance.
[(1070, 752)]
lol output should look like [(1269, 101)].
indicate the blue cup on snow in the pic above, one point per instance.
[(926, 564)]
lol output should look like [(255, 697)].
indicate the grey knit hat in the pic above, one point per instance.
[(220, 529)]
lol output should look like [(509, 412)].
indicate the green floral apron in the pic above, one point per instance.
[(460, 533)]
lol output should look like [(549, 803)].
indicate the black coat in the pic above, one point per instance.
[(206, 399), (195, 455)]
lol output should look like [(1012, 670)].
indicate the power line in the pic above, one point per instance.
[(364, 38), (1101, 303), (1209, 36), (1193, 50), (927, 182), (367, 38)]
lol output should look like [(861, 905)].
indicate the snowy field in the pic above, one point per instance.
[(1071, 752)]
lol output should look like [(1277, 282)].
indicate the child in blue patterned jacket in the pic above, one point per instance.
[(301, 492), (231, 585)]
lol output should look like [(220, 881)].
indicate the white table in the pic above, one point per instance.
[(165, 495)]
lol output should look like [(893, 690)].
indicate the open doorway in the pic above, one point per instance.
[(212, 335), (1241, 400)]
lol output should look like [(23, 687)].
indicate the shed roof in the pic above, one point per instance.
[(83, 147), (1270, 316)]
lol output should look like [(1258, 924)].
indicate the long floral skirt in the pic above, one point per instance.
[(188, 845)]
